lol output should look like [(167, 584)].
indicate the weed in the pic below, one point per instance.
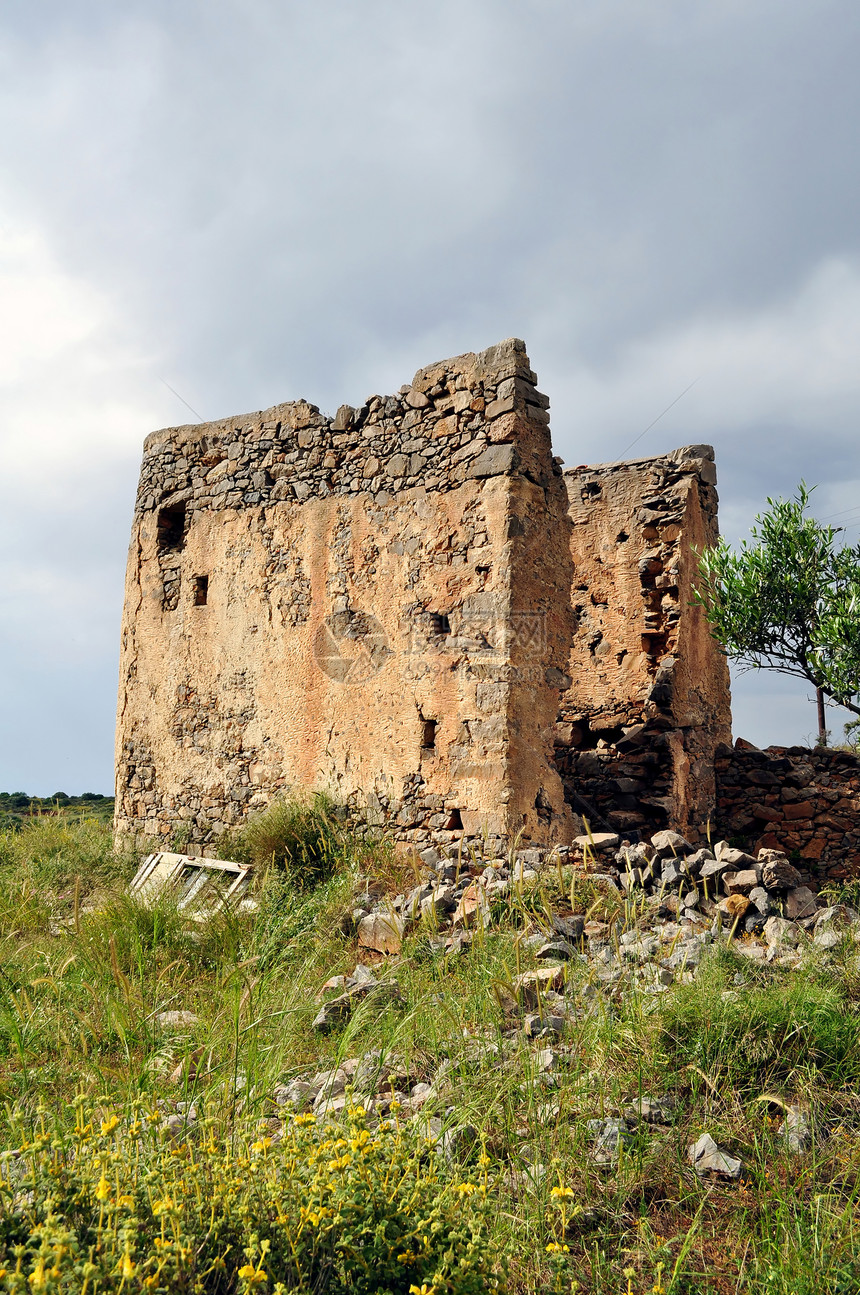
[(144, 1013), (301, 836)]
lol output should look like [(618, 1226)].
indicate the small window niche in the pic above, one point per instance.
[(171, 528), (170, 538), (428, 734), (201, 591), (440, 625), (455, 822)]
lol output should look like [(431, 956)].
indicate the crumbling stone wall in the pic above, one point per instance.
[(371, 604), (649, 694), (801, 800), (411, 606)]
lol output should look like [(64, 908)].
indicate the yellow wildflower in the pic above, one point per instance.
[(561, 1193), (103, 1189), (423, 1289), (38, 1280), (555, 1249), (126, 1267), (110, 1124), (301, 1120), (251, 1275)]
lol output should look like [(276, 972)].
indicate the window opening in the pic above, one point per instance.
[(201, 590), (171, 527), (428, 734), (439, 624), (170, 537), (455, 822)]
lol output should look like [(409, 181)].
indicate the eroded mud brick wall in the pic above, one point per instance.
[(805, 801), (649, 694), (375, 604)]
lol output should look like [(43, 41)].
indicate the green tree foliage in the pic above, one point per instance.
[(789, 600)]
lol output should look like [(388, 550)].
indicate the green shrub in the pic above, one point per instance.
[(301, 836), (332, 1207)]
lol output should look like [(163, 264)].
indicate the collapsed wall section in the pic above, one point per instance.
[(366, 604), (648, 699)]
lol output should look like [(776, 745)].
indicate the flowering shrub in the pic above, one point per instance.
[(329, 1207)]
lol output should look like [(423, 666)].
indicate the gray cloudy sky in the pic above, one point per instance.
[(263, 200)]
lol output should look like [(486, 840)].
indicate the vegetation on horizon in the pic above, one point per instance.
[(17, 806)]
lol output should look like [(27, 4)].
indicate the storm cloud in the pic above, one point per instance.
[(253, 202)]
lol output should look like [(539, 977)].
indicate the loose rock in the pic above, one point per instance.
[(707, 1158), (382, 932)]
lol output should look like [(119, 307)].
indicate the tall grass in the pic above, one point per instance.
[(300, 836), (86, 972), (769, 1033)]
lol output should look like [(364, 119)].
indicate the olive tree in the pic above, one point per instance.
[(789, 600)]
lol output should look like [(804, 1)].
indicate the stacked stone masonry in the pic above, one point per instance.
[(649, 694), (411, 607), (806, 800)]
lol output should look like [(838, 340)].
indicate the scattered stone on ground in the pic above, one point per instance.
[(707, 1158), (672, 901), (177, 1020), (608, 1138), (795, 1130), (382, 932)]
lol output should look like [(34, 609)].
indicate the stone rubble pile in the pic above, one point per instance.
[(676, 899), (684, 897), (680, 898)]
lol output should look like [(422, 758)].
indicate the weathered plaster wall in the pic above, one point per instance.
[(410, 606), (373, 604), (649, 694)]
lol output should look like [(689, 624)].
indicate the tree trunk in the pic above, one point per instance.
[(822, 721)]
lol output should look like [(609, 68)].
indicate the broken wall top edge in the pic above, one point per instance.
[(678, 455), (506, 358)]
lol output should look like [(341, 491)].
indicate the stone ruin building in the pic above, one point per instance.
[(413, 607)]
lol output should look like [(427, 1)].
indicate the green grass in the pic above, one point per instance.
[(84, 970)]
